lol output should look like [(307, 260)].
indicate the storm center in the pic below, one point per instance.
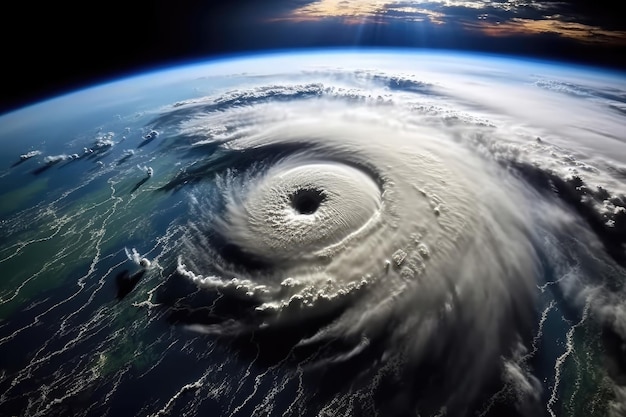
[(306, 200)]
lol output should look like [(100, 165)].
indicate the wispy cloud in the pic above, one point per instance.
[(360, 8), (572, 30), (487, 17)]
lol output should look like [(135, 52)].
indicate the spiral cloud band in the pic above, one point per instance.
[(416, 227), (395, 208)]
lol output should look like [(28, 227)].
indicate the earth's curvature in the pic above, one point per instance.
[(318, 234)]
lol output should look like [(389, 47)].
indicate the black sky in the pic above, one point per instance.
[(50, 48)]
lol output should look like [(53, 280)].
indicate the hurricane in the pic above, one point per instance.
[(347, 242)]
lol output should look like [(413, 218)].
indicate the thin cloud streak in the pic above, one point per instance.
[(571, 30), (489, 18)]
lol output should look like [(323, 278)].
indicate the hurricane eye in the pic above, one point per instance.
[(307, 200)]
